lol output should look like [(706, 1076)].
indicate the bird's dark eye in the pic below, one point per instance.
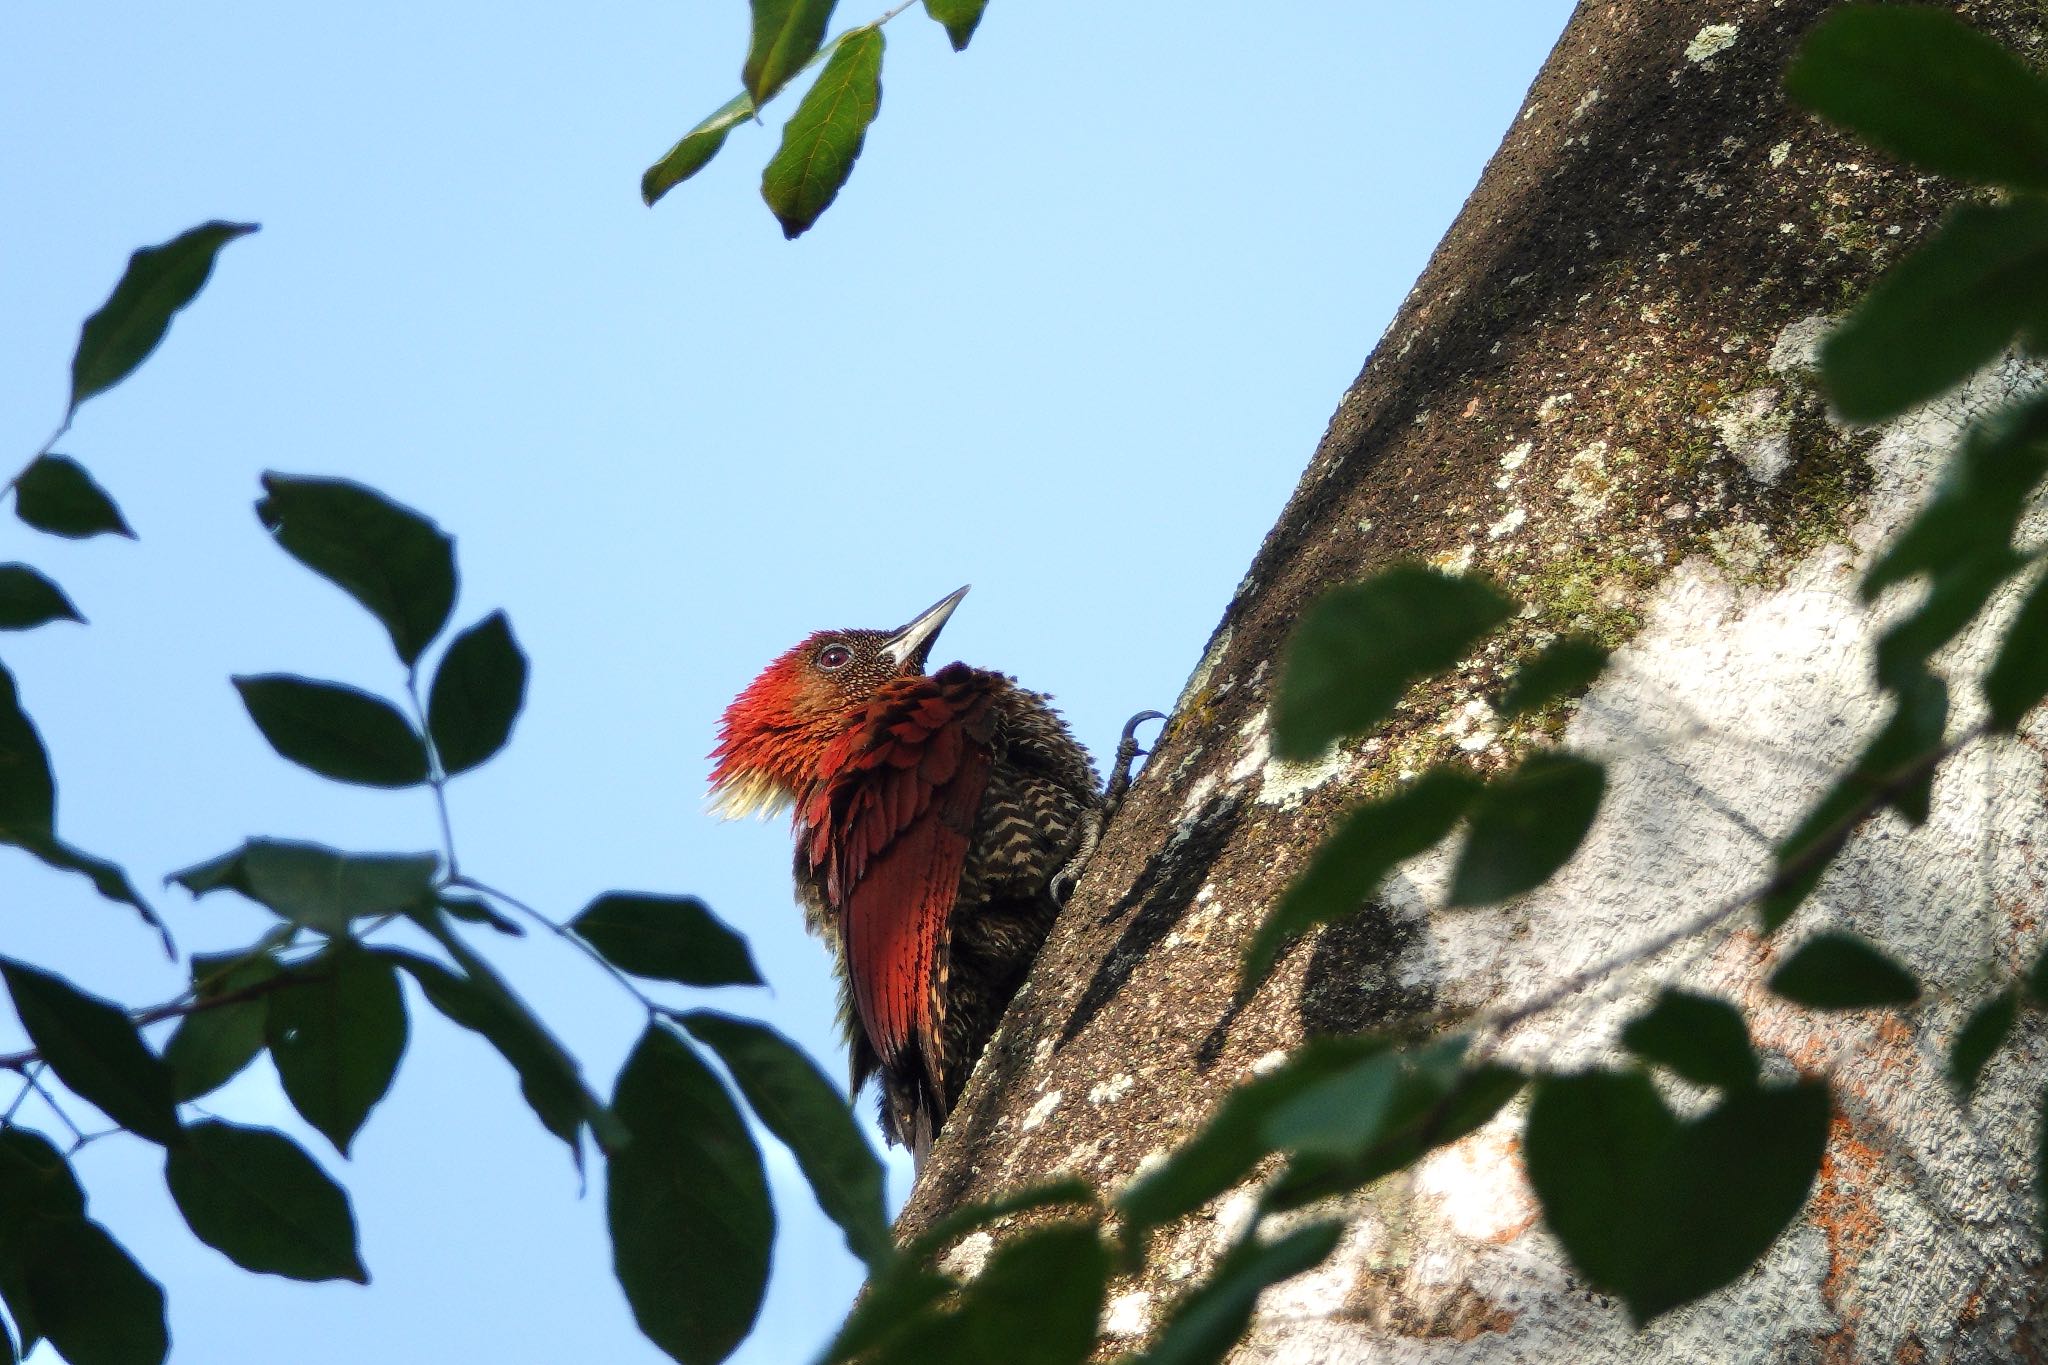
[(834, 657)]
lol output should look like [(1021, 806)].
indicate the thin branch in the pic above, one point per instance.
[(569, 936), (437, 776), (31, 1059)]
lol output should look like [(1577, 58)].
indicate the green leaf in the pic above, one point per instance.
[(1661, 1211), (159, 281), (316, 886), (95, 1051), (786, 35), (28, 795), (254, 1196), (56, 495), (1036, 1302), (1977, 506), (107, 879), (795, 1102), (666, 938), (472, 910), (960, 18), (694, 151), (338, 732), (28, 600), (2041, 1170), (1912, 734), (1351, 862), (1840, 971), (1943, 312), (2037, 979), (1206, 1324), (1566, 665), (688, 1204), (38, 1196), (1929, 89), (2019, 675), (398, 564), (1360, 647), (1526, 825), (212, 1044), (823, 138), (1980, 1038), (92, 1301), (478, 691), (337, 1039), (1695, 1036), (1953, 600)]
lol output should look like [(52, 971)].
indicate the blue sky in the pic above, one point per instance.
[(1069, 335)]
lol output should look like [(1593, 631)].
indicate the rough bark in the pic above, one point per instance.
[(1600, 394)]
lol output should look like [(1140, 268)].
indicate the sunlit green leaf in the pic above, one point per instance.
[(1360, 647), (785, 35), (1662, 1211), (56, 495), (1696, 1036), (339, 732), (1350, 863), (28, 599), (254, 1196), (794, 1101), (960, 18), (478, 691), (1840, 971), (311, 884), (1979, 1040), (1930, 89), (337, 1038), (666, 938), (398, 564), (2019, 675), (687, 1202), (693, 152), (1526, 825), (159, 281), (95, 1050), (1566, 665), (1205, 1326), (824, 137)]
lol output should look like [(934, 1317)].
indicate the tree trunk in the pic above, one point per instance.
[(1600, 395)]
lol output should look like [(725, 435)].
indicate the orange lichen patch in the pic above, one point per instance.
[(1910, 1352), (1844, 1210), (1479, 1188)]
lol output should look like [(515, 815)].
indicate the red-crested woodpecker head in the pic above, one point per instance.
[(774, 735)]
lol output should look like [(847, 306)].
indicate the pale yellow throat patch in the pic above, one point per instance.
[(750, 793)]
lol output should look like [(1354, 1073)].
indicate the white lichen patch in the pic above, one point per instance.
[(1471, 727), (1741, 548), (1511, 462), (1111, 1090), (1284, 784), (1756, 427), (1454, 562), (1478, 1187), (1585, 482), (968, 1255), (1041, 1111), (1199, 679), (1798, 346), (1779, 153), (1546, 411), (1711, 41), (1128, 1315), (1508, 524), (1586, 101), (1268, 1063)]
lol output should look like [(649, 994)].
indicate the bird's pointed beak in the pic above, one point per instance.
[(908, 647)]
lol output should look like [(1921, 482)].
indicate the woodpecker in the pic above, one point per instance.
[(940, 821)]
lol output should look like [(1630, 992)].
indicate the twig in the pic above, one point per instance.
[(653, 1007)]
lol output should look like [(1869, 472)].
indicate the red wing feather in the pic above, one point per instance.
[(890, 830)]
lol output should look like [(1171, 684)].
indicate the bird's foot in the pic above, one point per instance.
[(1127, 753)]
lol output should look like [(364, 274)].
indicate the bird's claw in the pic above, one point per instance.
[(1127, 753)]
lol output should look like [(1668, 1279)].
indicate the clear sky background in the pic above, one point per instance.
[(1069, 335)]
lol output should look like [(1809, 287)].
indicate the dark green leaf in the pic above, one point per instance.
[(786, 35), (1943, 312), (336, 731), (1953, 600), (92, 1301), (2019, 675), (316, 886), (959, 16), (688, 1204), (1566, 665), (28, 600), (159, 281), (28, 796), (1661, 1211), (666, 938), (254, 1196), (1895, 769), (478, 690), (337, 1039), (795, 1102), (106, 878), (823, 138), (1205, 1326), (2041, 1170), (1036, 1302), (1349, 865), (1360, 647), (1696, 1036), (397, 563), (38, 1196), (94, 1050), (1930, 89), (55, 494), (1978, 505), (471, 910), (694, 151), (2037, 979), (213, 1044), (1527, 825), (1840, 971), (1979, 1039)]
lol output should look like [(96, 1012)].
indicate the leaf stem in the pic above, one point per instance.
[(654, 1008)]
